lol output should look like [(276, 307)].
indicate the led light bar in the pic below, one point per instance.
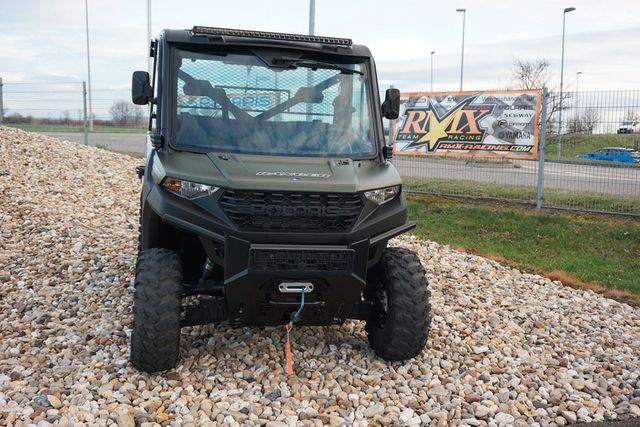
[(271, 36)]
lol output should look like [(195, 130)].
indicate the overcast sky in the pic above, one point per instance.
[(44, 40)]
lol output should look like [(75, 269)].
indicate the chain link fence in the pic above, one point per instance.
[(584, 167), (66, 106), (581, 170)]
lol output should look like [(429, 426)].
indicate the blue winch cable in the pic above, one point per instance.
[(296, 316)]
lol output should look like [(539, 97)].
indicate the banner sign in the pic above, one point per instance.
[(260, 101), (486, 123)]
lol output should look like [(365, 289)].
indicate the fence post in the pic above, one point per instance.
[(85, 126), (1, 104), (542, 146)]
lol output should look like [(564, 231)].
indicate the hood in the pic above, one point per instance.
[(279, 173)]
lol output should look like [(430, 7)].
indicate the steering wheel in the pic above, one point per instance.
[(339, 141)]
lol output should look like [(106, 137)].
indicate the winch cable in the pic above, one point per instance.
[(295, 317)]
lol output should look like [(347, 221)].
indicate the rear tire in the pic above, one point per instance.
[(157, 309), (399, 327)]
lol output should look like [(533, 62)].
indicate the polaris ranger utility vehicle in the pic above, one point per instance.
[(267, 195)]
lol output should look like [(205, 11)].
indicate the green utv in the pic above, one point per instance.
[(268, 196)]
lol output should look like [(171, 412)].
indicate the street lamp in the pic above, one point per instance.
[(432, 69), (86, 16), (149, 61), (312, 17), (464, 14), (312, 31), (564, 14)]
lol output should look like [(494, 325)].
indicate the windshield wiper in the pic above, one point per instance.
[(313, 64)]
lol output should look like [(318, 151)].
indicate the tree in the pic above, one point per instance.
[(531, 74), (590, 118), (66, 117), (124, 113), (584, 123), (535, 74), (631, 116)]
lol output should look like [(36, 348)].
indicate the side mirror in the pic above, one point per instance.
[(391, 104), (141, 90)]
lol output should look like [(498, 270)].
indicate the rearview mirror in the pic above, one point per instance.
[(197, 88), (309, 95), (391, 104), (141, 90)]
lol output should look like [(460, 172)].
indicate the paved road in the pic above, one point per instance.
[(621, 181), (133, 142)]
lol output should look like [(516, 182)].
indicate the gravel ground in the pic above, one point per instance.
[(505, 347)]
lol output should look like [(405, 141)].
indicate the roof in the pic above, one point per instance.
[(231, 37)]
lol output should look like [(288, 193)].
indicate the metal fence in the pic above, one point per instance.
[(63, 106), (594, 112), (591, 121)]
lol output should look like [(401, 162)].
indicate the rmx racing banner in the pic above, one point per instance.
[(487, 123)]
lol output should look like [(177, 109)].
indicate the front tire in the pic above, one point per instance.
[(157, 310), (399, 326)]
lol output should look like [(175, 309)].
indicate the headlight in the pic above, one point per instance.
[(188, 189), (382, 195)]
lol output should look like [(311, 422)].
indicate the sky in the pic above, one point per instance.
[(44, 40)]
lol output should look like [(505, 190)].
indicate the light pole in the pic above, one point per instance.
[(564, 15), (149, 62), (312, 17), (432, 70), (312, 31), (464, 14), (86, 16)]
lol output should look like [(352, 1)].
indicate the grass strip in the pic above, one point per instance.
[(590, 251), (552, 197), (29, 127)]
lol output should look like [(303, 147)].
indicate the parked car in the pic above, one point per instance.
[(613, 154), (629, 127)]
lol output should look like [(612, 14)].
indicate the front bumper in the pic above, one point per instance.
[(255, 264), (254, 272), (338, 273)]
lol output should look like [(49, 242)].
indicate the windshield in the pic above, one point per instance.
[(282, 106)]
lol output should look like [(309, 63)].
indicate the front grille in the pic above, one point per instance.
[(300, 260), (294, 212)]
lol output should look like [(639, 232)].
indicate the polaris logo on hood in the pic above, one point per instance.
[(295, 174)]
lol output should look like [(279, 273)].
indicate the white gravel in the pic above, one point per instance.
[(505, 348)]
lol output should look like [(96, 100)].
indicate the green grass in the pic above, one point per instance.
[(595, 249), (573, 145), (552, 197), (134, 154), (70, 128)]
